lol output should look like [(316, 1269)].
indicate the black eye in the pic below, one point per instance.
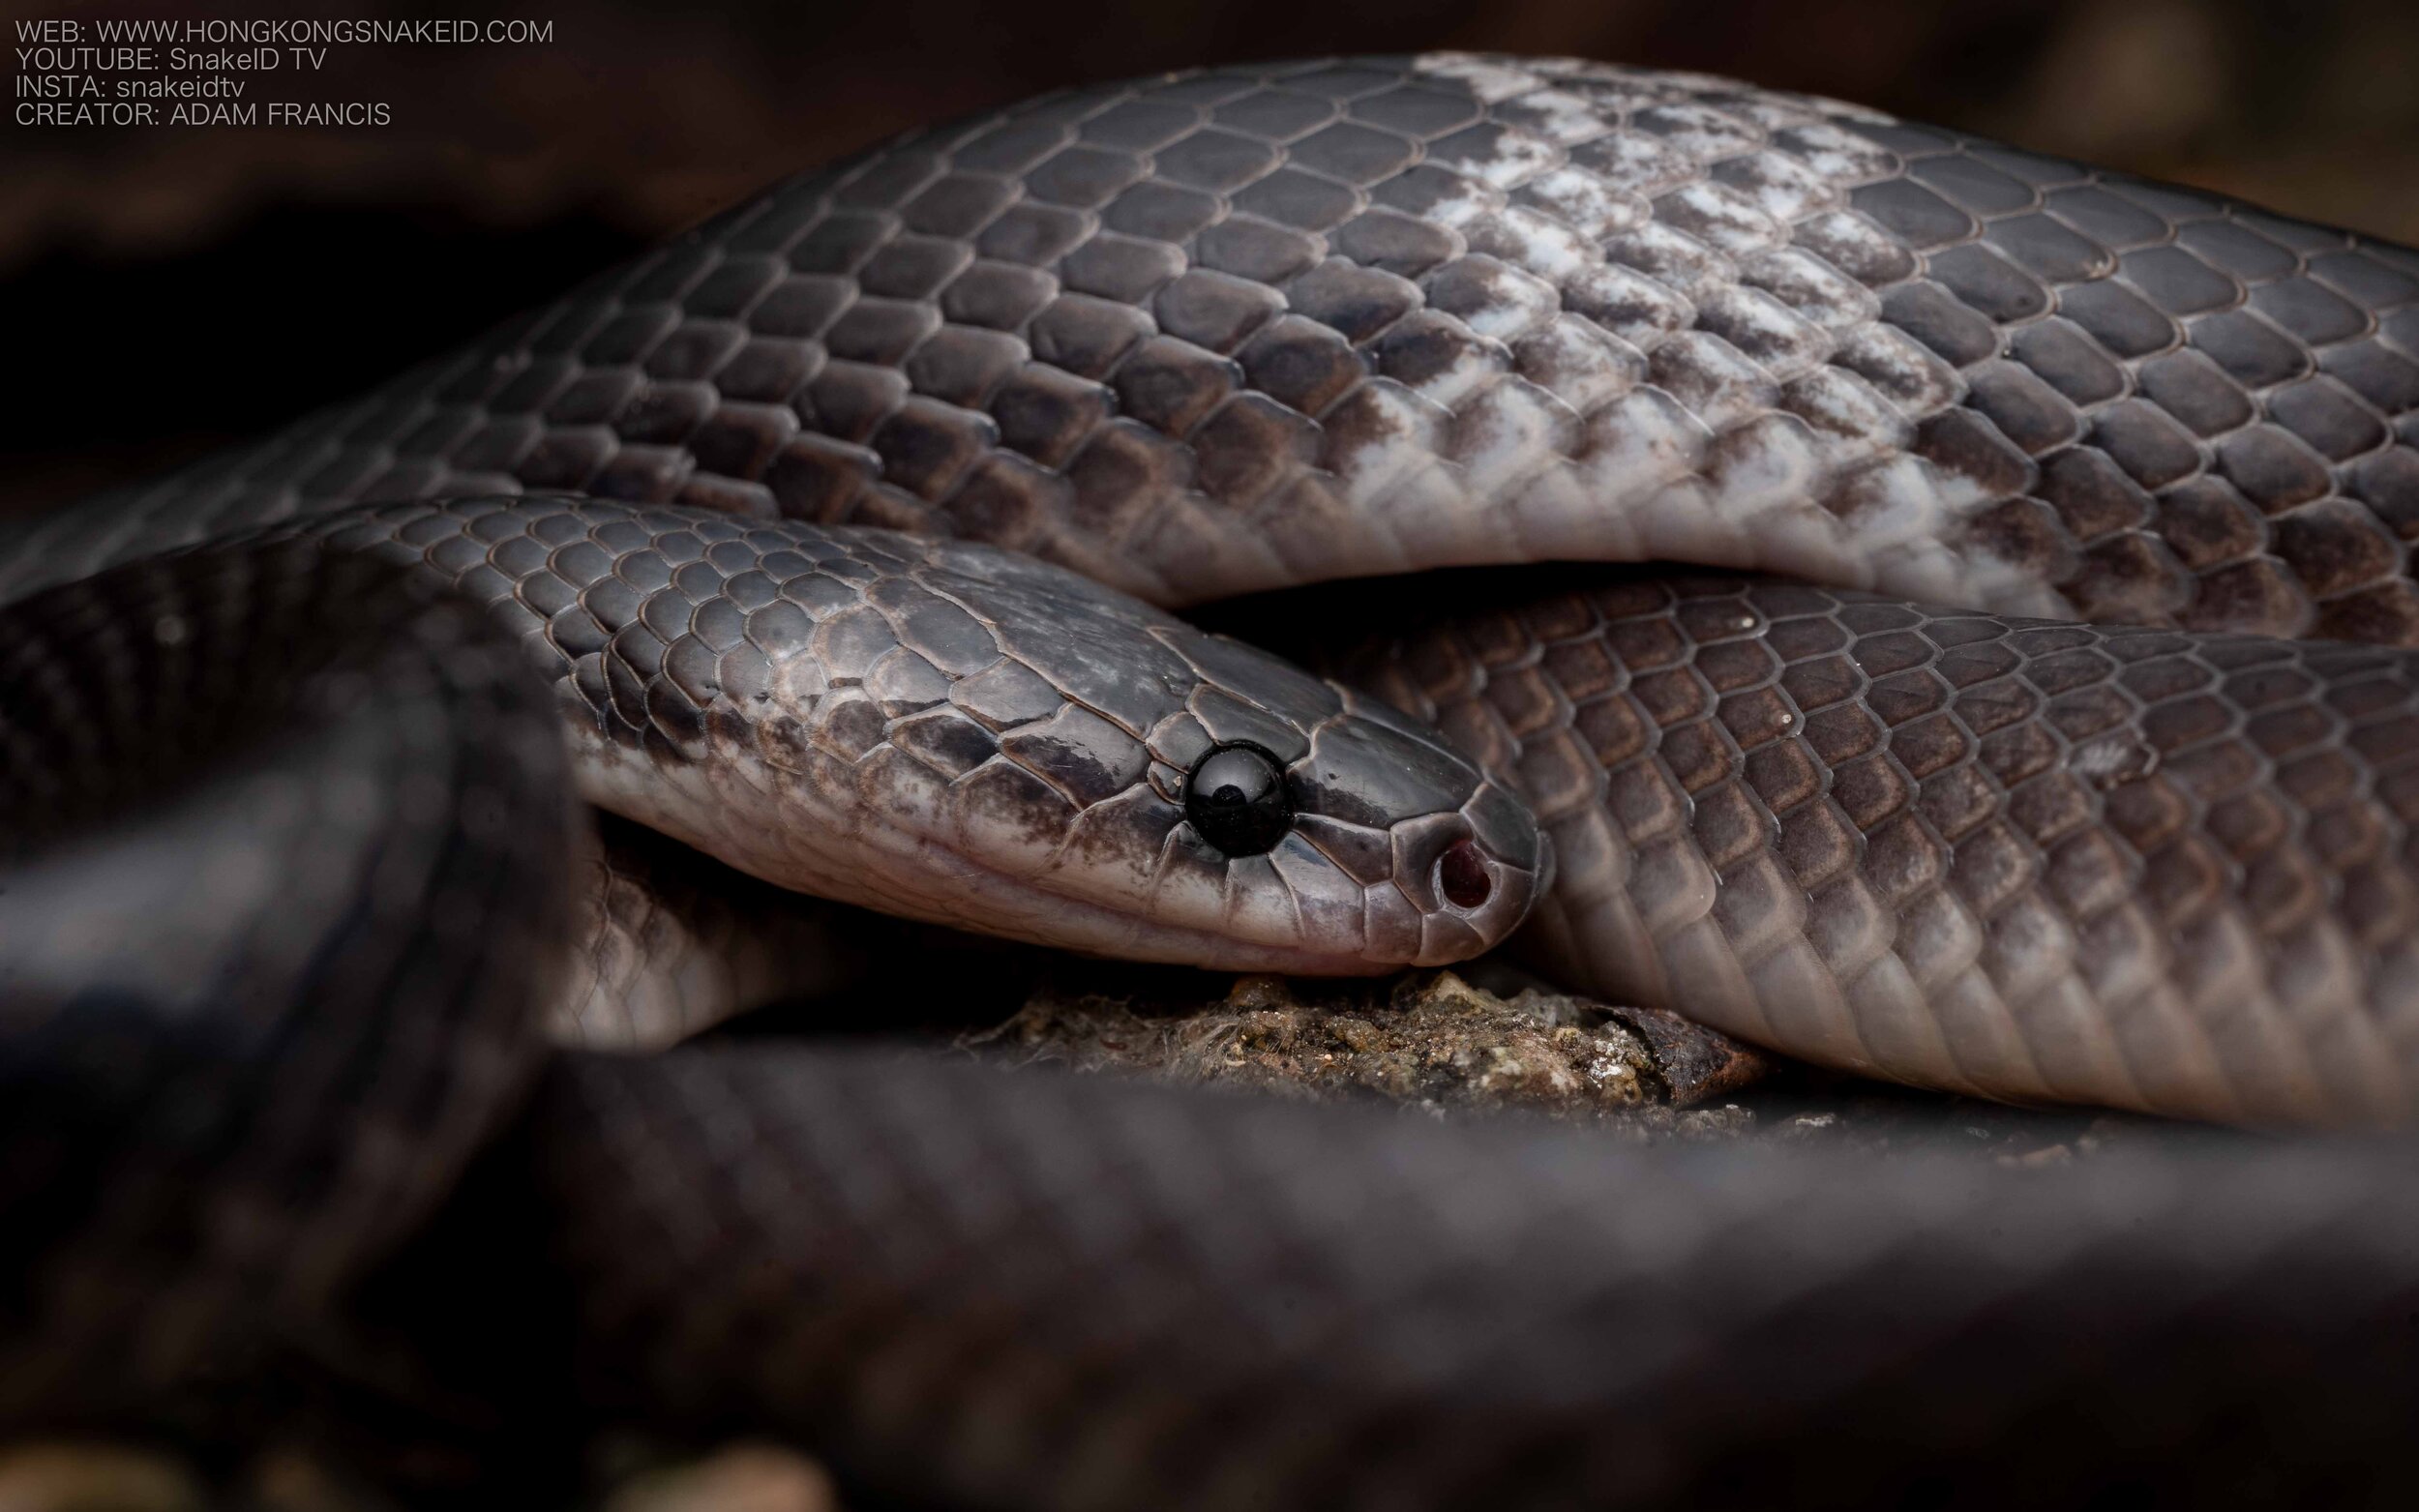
[(1236, 798)]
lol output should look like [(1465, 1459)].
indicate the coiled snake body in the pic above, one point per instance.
[(1244, 330)]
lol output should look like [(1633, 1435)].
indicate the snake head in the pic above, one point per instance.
[(1135, 787), (972, 736)]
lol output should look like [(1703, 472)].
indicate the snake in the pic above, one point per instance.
[(1934, 610)]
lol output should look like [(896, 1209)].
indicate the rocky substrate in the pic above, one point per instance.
[(1490, 1041)]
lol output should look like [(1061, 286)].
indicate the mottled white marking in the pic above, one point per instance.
[(1558, 115), (1722, 217), (1894, 500), (1777, 185), (1637, 163), (1764, 466), (1469, 200), (1773, 111), (1487, 79), (1512, 156), (1811, 288), (1532, 241), (1509, 432), (1901, 368), (1584, 202), (1393, 433), (1839, 154), (1716, 380), (1849, 419), (1509, 302), (1698, 130), (1637, 445), (1472, 368), (1674, 258), (1580, 362), (1763, 330)]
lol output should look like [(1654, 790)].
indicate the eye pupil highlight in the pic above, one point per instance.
[(1236, 798)]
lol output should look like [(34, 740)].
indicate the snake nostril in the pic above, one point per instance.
[(1461, 876)]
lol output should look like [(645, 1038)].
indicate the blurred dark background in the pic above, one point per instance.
[(163, 290)]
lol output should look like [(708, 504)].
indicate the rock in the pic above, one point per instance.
[(1488, 1037), (1729, 1121), (1429, 1040), (1696, 1063)]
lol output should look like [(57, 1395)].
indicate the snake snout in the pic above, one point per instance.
[(1471, 873)]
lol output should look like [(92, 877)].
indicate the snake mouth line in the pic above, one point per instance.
[(1025, 906), (1123, 937)]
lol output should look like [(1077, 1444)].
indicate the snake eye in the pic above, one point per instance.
[(1235, 795)]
